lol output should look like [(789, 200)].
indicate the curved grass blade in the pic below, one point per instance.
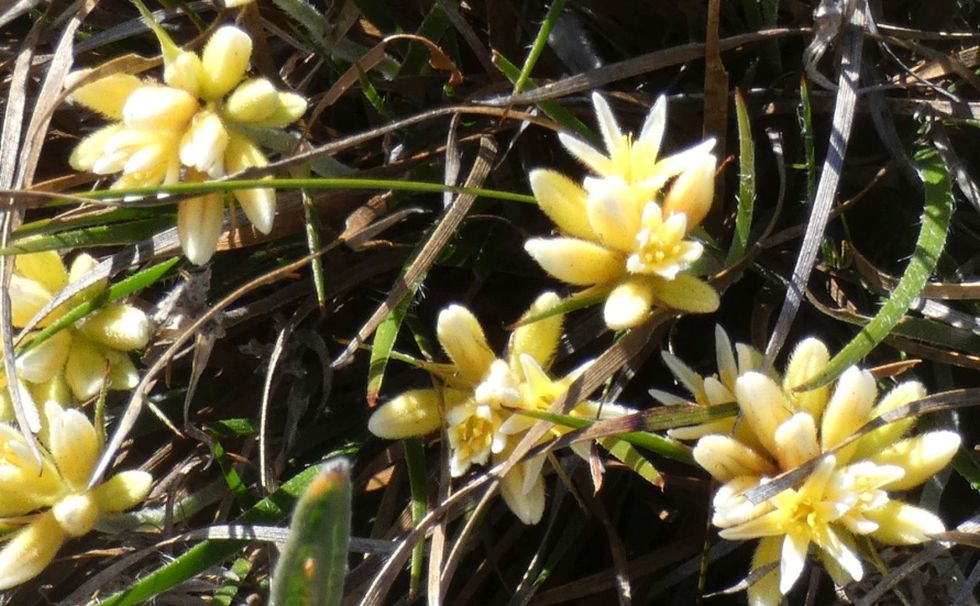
[(932, 239), (746, 181), (311, 569)]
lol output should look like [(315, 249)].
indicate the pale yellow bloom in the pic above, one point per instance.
[(51, 504), (846, 495), (713, 390), (480, 396), (187, 129), (626, 229), (79, 355)]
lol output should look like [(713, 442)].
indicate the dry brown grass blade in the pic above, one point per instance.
[(50, 94), (965, 291), (430, 251), (637, 66)]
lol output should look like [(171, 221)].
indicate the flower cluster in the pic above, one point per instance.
[(848, 492), (626, 230), (481, 396), (78, 358), (43, 505), (190, 128)]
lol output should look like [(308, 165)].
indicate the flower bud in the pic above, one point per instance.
[(224, 61), (252, 101), (155, 108)]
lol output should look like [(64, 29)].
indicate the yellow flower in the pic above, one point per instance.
[(626, 229), (52, 504), (80, 354), (481, 394), (709, 391), (847, 493), (186, 129)]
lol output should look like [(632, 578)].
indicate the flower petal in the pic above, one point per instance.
[(156, 108), (848, 409), (792, 560), (527, 505), (41, 363), (902, 524), (289, 108), (874, 441), (106, 95), (85, 368), (73, 443), (628, 304), (224, 60), (613, 213), (259, 204), (413, 413), (686, 293), (764, 406), (182, 69), (796, 441), (120, 327), (123, 491), (46, 268), (612, 136), (563, 201), (92, 148), (30, 550), (921, 457), (252, 101), (203, 145), (726, 458), (462, 338), (765, 591), (652, 132), (576, 261), (692, 192), (27, 297), (809, 358), (538, 339), (199, 223)]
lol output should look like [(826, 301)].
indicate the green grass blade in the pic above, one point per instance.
[(932, 239), (304, 183), (746, 181), (538, 46), (270, 510), (382, 347), (415, 462), (805, 118), (97, 235), (311, 569), (551, 109)]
